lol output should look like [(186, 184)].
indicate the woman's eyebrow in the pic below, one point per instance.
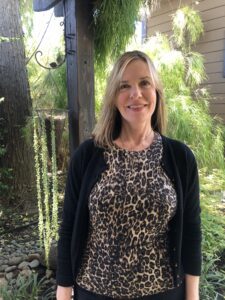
[(146, 77), (141, 78)]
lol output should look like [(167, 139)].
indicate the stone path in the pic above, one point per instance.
[(21, 255)]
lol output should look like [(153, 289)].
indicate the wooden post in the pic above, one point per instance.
[(80, 70)]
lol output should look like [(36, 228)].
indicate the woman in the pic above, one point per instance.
[(131, 222)]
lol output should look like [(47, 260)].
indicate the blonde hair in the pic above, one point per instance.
[(108, 126)]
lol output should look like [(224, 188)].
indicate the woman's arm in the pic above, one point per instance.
[(63, 293), (191, 248), (64, 274), (191, 287)]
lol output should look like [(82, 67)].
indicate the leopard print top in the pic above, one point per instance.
[(129, 208)]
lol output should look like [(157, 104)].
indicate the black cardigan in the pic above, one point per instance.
[(86, 165)]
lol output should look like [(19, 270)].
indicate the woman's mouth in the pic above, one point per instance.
[(137, 106)]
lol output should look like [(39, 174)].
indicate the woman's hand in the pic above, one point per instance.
[(63, 293), (192, 287)]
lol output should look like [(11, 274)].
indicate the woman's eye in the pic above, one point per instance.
[(123, 86), (145, 83)]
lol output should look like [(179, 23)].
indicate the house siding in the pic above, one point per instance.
[(211, 44)]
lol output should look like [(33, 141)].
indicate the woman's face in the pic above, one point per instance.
[(136, 98)]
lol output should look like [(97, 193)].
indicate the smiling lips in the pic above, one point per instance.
[(136, 107)]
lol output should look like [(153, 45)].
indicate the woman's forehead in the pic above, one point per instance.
[(136, 69)]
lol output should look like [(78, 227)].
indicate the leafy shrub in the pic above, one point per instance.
[(24, 288)]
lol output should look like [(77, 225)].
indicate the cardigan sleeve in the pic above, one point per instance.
[(64, 275), (191, 250)]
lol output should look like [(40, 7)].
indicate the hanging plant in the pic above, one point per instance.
[(187, 27), (114, 25), (54, 221), (36, 145), (47, 186)]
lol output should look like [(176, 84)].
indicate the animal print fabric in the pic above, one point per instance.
[(130, 206)]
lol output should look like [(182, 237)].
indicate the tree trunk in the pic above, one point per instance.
[(16, 108)]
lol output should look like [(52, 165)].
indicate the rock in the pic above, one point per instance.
[(3, 282), (33, 256), (10, 269), (26, 273), (52, 257), (34, 264), (49, 274), (23, 265), (3, 267), (9, 276), (15, 260)]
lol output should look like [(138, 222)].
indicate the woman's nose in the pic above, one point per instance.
[(135, 92)]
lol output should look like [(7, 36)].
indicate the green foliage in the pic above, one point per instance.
[(213, 228), (9, 39), (100, 84), (212, 280), (195, 73), (189, 122), (24, 289), (47, 187), (187, 27), (48, 87), (26, 11), (114, 25)]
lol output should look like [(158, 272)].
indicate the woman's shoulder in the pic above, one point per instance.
[(178, 147), (85, 150), (86, 145)]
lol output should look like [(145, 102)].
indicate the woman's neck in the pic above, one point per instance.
[(135, 138)]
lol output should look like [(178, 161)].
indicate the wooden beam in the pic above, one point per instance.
[(42, 5), (80, 70)]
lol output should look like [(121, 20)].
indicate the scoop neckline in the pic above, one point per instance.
[(115, 146)]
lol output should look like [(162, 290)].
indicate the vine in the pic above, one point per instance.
[(38, 176), (54, 183), (47, 186)]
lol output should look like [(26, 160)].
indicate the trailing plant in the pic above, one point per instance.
[(54, 220), (47, 187), (114, 25), (187, 27)]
